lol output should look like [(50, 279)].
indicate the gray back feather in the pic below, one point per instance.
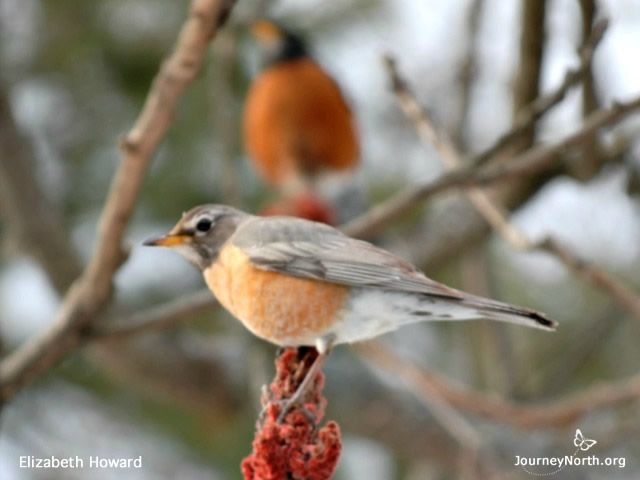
[(306, 249)]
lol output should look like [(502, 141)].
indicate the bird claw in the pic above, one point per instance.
[(288, 404)]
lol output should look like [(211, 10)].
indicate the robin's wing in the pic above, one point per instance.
[(316, 251)]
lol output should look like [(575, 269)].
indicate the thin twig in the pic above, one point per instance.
[(526, 83), (592, 152), (528, 163), (595, 276), (564, 411), (467, 74), (448, 418), (90, 293), (591, 27), (493, 213), (158, 317), (528, 117), (559, 413), (452, 160)]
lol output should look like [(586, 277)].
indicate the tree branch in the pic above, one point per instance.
[(159, 317), (591, 30), (90, 293), (468, 67), (528, 163), (591, 152), (557, 413), (531, 160), (526, 84), (593, 275), (526, 118)]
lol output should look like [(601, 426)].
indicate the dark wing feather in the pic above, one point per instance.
[(316, 251)]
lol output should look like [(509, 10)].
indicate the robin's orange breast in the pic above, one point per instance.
[(296, 122), (282, 309)]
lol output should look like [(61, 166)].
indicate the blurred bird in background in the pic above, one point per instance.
[(298, 129)]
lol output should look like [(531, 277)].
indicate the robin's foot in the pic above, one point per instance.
[(291, 403), (303, 388), (285, 407)]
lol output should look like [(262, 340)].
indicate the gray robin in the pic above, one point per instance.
[(296, 282)]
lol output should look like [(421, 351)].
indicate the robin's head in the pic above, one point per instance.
[(200, 233), (277, 43)]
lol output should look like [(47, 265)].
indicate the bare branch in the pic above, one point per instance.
[(493, 213), (89, 294), (448, 239), (468, 66), (591, 30), (541, 105), (159, 317), (592, 152), (559, 413), (528, 163), (526, 84), (595, 276)]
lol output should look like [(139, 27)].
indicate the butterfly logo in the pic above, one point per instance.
[(581, 442)]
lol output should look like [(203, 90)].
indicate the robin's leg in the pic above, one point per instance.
[(323, 345)]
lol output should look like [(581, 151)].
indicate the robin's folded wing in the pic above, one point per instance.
[(311, 250)]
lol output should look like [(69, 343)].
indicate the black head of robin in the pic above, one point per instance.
[(277, 43)]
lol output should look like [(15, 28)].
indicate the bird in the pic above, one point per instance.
[(298, 127), (296, 282)]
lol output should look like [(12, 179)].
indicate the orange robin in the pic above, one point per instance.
[(297, 124), (295, 282)]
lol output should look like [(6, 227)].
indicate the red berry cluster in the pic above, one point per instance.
[(293, 449)]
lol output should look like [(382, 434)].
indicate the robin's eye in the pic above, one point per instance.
[(204, 225)]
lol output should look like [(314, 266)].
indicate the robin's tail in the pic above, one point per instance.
[(373, 312), (504, 312)]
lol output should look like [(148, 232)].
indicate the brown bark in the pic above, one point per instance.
[(526, 87), (592, 152)]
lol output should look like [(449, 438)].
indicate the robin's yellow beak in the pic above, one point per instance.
[(266, 31), (167, 240)]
